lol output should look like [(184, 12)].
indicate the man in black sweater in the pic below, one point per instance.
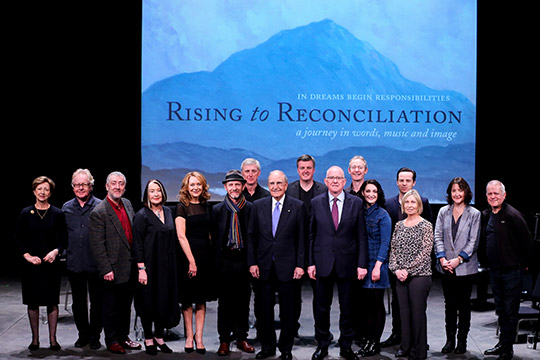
[(505, 247)]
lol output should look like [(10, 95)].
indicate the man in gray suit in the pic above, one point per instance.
[(110, 240)]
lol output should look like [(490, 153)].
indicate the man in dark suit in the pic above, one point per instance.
[(304, 189), (405, 180), (229, 233), (110, 241), (338, 254), (276, 238)]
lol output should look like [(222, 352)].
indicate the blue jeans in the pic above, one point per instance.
[(506, 287)]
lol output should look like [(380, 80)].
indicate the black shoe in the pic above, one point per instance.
[(371, 348), (263, 354), (496, 350), (81, 342), (348, 354), (150, 349), (55, 347), (95, 344), (507, 352), (401, 353), (461, 347), (163, 347), (320, 353), (393, 339), (449, 346), (33, 347), (286, 355)]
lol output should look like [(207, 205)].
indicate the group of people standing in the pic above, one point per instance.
[(173, 262)]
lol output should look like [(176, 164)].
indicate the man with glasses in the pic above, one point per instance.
[(338, 254), (80, 264)]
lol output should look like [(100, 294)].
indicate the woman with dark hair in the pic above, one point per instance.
[(457, 233), (154, 251), (42, 236), (379, 231), (193, 231)]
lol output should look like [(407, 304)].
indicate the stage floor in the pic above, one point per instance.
[(15, 333)]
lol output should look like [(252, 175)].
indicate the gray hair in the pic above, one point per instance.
[(116, 173), (279, 172), (497, 182), (358, 157), (251, 161), (85, 172)]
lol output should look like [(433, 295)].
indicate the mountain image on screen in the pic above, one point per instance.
[(315, 89)]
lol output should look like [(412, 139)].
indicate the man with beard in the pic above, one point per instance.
[(229, 233), (111, 239)]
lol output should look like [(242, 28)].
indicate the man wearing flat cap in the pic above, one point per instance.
[(229, 233)]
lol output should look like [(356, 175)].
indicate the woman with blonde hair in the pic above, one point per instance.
[(193, 231), (410, 261)]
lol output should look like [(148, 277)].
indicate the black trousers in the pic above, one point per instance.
[(370, 314), (267, 333), (324, 292), (457, 304), (82, 285), (117, 299), (233, 300), (506, 287), (412, 295)]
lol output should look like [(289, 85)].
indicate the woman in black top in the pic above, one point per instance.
[(42, 235), (193, 230), (154, 251)]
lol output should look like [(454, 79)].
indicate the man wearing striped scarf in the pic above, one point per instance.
[(229, 234)]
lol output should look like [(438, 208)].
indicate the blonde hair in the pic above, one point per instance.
[(185, 197), (416, 197)]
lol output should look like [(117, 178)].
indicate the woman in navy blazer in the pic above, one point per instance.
[(457, 232)]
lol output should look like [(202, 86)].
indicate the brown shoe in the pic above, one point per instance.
[(245, 347), (223, 349)]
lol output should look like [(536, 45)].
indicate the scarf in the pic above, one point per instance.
[(235, 236)]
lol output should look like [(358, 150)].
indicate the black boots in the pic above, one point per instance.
[(450, 345)]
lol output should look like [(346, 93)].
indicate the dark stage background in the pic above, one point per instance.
[(73, 100)]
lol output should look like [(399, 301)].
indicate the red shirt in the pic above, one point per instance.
[(120, 211)]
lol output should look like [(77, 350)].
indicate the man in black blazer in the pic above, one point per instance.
[(229, 234), (338, 253), (110, 241), (276, 237), (304, 189), (405, 180)]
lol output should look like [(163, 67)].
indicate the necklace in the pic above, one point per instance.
[(39, 214)]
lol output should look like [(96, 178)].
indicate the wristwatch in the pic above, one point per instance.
[(460, 260)]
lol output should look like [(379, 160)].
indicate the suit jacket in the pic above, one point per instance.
[(221, 220), (394, 210), (346, 248), (465, 243), (108, 241), (287, 248)]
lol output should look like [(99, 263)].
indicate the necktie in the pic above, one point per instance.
[(275, 218), (335, 214)]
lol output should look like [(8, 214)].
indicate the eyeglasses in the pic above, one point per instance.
[(81, 185), (335, 178)]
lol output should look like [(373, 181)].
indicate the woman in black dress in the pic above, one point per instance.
[(154, 251), (41, 235), (193, 229)]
